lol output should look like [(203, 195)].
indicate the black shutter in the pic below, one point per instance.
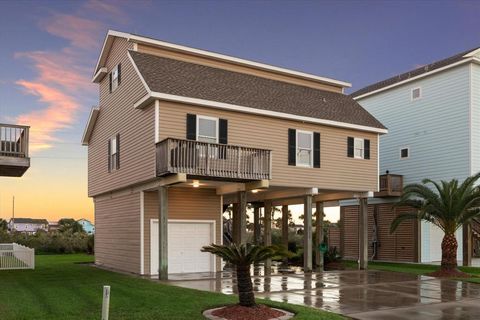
[(119, 76), (109, 156), (118, 152), (223, 131), (316, 149), (110, 81), (191, 127), (292, 146), (223, 137), (350, 142), (366, 149)]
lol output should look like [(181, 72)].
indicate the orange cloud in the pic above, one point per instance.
[(82, 33), (59, 69), (58, 115)]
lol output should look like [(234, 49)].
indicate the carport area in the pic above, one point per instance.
[(358, 294)]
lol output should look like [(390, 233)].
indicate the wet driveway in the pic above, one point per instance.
[(358, 294)]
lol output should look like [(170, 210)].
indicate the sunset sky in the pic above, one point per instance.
[(49, 50)]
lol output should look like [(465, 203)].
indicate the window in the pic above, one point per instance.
[(207, 129), (114, 153), (115, 77), (358, 148), (416, 93), (304, 148), (404, 153)]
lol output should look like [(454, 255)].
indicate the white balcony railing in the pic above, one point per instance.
[(205, 159), (13, 141)]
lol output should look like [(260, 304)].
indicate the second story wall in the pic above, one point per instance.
[(475, 126), (435, 127), (337, 171), (135, 128)]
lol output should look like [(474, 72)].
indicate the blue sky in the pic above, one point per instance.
[(49, 49)]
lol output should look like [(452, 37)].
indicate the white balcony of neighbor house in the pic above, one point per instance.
[(14, 159), (213, 160)]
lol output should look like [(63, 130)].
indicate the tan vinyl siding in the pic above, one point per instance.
[(117, 232), (337, 172), (235, 67), (399, 246), (117, 116), (183, 203)]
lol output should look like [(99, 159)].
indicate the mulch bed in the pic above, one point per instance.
[(237, 312), (449, 274)]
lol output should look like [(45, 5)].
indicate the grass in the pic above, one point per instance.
[(61, 287), (416, 268)]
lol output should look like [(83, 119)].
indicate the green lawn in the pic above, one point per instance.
[(62, 288), (416, 268)]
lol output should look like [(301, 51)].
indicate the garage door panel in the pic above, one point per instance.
[(185, 240)]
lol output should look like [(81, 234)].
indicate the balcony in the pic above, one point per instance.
[(212, 160), (391, 185), (14, 160)]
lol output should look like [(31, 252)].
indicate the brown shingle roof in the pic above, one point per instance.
[(412, 73), (191, 80)]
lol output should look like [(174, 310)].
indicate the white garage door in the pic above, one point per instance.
[(185, 239)]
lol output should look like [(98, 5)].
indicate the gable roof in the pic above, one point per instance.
[(190, 80), (403, 77), (29, 220), (100, 71)]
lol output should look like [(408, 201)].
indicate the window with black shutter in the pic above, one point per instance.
[(358, 148), (114, 153), (292, 147), (115, 77)]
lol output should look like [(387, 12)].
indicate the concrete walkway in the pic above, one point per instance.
[(357, 294)]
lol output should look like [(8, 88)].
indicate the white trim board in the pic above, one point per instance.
[(198, 52), (149, 98), (92, 118), (142, 232)]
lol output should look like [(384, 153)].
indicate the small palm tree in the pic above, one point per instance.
[(448, 205), (242, 257)]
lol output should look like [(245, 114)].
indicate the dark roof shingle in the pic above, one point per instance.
[(412, 73), (30, 220), (192, 80)]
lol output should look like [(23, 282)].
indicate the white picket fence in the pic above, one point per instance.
[(15, 256)]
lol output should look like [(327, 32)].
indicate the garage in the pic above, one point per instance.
[(185, 239)]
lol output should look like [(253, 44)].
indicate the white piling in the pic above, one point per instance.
[(106, 302)]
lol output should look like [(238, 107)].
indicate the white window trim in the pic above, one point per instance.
[(404, 158), (363, 148), (207, 118), (311, 148), (113, 153), (113, 69), (419, 91)]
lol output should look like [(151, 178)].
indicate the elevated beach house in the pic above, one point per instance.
[(433, 116), (181, 133)]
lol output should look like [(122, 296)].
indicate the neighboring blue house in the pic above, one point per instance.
[(87, 226), (433, 117)]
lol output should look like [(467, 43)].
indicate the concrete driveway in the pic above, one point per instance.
[(357, 294)]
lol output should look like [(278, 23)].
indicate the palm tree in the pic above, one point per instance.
[(448, 205), (242, 257)]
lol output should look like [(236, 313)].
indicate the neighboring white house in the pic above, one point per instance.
[(433, 117), (87, 226), (27, 225)]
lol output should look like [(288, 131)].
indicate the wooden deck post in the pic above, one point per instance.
[(467, 245), (242, 210), (319, 236), (267, 234), (256, 224), (163, 233), (235, 223), (363, 234), (307, 234), (285, 230)]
